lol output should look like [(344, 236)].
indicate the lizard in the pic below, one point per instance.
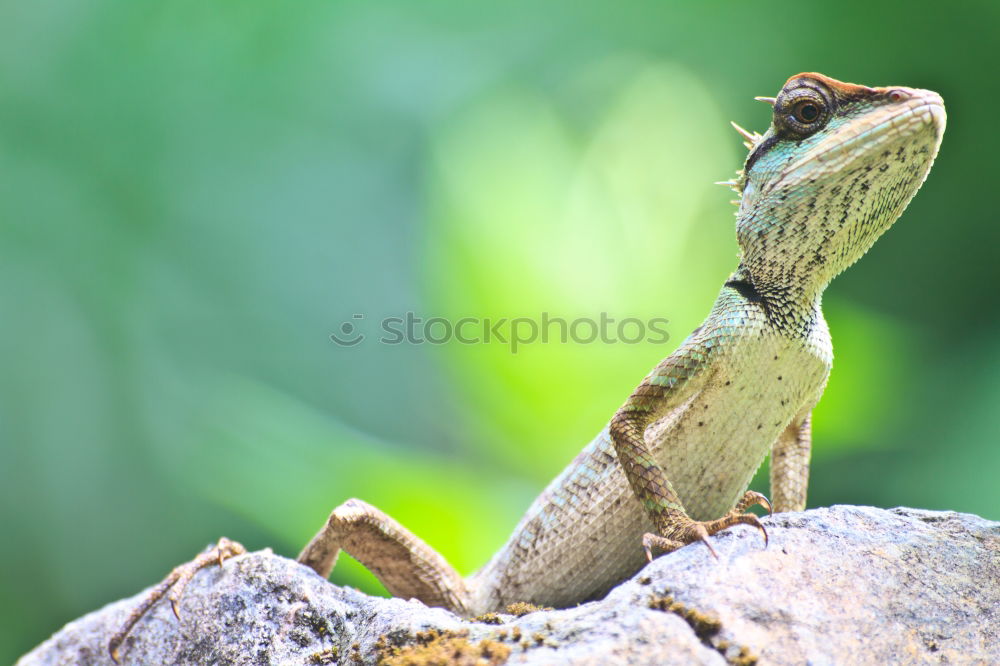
[(835, 169)]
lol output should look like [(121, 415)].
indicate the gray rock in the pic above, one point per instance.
[(835, 586)]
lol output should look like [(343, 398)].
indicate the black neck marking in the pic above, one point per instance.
[(746, 290), (759, 150)]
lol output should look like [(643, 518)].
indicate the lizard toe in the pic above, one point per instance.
[(733, 518)]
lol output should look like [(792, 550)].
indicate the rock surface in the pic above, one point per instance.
[(839, 585)]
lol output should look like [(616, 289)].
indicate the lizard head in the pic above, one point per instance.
[(835, 169)]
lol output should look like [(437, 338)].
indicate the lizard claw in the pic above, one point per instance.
[(752, 521), (751, 498), (689, 531), (227, 548), (649, 541), (740, 516), (701, 534), (696, 531)]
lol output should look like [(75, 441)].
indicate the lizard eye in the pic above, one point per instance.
[(806, 112), (801, 112)]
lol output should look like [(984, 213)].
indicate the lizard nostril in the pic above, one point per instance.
[(897, 96)]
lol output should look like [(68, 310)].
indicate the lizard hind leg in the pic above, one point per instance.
[(407, 566), (174, 583)]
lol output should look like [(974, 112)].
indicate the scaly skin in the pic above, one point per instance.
[(836, 168)]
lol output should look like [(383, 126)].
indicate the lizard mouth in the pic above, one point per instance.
[(918, 118)]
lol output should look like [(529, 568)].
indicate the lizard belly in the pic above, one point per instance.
[(711, 445), (582, 535), (578, 539)]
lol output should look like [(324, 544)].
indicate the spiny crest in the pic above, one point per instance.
[(735, 184), (751, 139)]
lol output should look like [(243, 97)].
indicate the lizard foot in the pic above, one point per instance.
[(686, 531), (178, 580)]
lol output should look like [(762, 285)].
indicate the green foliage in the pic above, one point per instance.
[(531, 214), (195, 195)]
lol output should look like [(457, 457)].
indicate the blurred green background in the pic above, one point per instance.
[(195, 194)]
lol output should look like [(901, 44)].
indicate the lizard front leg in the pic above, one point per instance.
[(407, 566), (790, 464), (670, 383)]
